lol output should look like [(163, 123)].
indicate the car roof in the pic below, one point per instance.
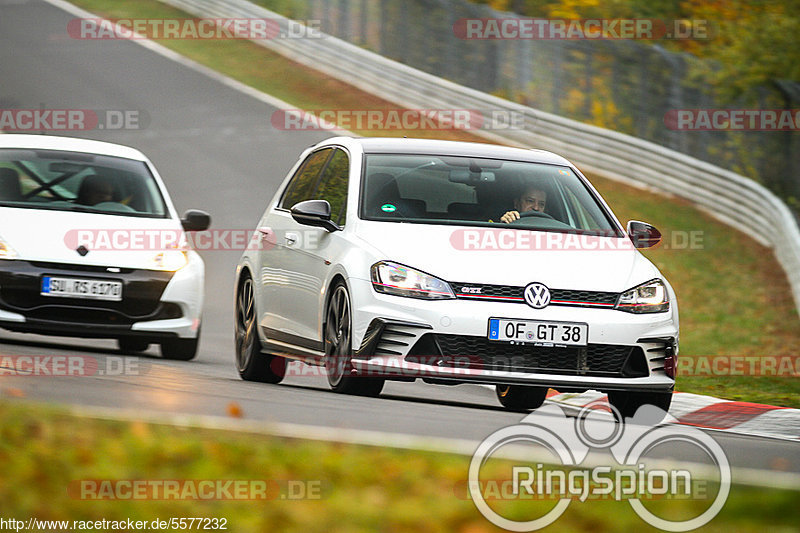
[(69, 144), (395, 145)]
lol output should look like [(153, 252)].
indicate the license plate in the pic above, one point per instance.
[(93, 289), (538, 332)]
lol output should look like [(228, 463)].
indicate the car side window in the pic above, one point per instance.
[(301, 187), (333, 185)]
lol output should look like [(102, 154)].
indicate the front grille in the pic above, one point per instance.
[(20, 290), (99, 316), (511, 293), (577, 297), (488, 291), (72, 315), (592, 360)]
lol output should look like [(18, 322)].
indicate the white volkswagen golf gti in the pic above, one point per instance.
[(91, 246), (454, 263)]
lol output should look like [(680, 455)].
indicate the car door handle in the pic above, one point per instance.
[(266, 235), (291, 238)]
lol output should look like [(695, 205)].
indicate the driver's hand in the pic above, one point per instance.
[(510, 217)]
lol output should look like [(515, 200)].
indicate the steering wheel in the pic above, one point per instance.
[(534, 213)]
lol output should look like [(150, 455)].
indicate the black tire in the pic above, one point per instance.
[(520, 397), (338, 345), (132, 344), (180, 349), (250, 362), (628, 402)]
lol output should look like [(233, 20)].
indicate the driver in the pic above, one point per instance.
[(531, 199)]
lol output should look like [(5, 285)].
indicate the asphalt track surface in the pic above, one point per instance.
[(217, 151)]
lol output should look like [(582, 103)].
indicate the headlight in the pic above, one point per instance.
[(170, 260), (649, 297), (400, 280), (6, 251)]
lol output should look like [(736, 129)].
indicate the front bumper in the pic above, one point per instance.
[(446, 340), (155, 304)]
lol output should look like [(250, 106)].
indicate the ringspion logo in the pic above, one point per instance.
[(628, 475)]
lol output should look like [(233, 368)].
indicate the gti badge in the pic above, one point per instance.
[(471, 290), (537, 295)]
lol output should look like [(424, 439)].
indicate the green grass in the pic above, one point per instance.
[(732, 294), (362, 488), (734, 298)]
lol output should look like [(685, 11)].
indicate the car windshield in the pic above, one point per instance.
[(72, 181), (479, 192)]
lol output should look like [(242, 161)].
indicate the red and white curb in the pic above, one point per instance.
[(711, 413)]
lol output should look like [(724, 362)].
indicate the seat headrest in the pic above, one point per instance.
[(10, 188)]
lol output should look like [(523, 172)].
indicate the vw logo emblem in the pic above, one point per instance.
[(537, 295)]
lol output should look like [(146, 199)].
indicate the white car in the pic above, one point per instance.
[(455, 263), (91, 246)]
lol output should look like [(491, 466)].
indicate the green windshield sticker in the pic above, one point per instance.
[(388, 208)]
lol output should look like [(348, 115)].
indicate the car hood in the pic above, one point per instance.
[(111, 240), (506, 256)]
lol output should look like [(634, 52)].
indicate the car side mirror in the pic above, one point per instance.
[(195, 220), (314, 213), (643, 235)]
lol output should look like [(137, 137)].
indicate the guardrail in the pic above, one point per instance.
[(729, 197)]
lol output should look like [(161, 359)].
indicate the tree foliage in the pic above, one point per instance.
[(754, 42)]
